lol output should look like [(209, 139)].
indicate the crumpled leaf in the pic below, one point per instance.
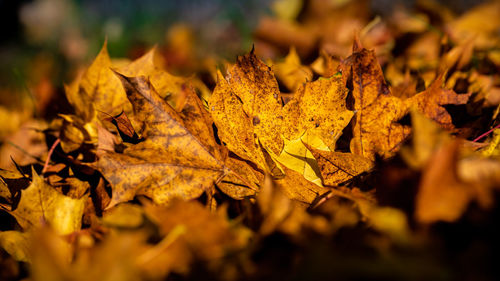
[(430, 102), (124, 127), (375, 130), (73, 133), (338, 167), (41, 203), (11, 184), (171, 162), (320, 108)]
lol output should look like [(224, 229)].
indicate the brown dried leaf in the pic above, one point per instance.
[(171, 162), (375, 130), (338, 167), (296, 187), (430, 102)]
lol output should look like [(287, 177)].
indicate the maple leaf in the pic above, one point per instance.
[(375, 127), (252, 91), (199, 122), (97, 90), (152, 66), (234, 126), (430, 102), (171, 162), (40, 203), (320, 108)]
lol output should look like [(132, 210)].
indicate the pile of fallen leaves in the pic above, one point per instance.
[(375, 161)]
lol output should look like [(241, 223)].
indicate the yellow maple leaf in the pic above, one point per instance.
[(320, 108), (292, 72), (254, 84), (98, 89), (40, 203)]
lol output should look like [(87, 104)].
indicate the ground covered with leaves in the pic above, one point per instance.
[(370, 152)]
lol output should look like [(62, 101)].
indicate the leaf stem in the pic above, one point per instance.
[(51, 151), (487, 133)]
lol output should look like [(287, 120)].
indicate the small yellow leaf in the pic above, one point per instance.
[(98, 89), (40, 203), (297, 157), (292, 72)]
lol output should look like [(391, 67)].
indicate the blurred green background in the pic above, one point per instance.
[(70, 32)]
